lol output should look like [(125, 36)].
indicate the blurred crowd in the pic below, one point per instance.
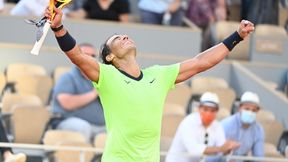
[(200, 13)]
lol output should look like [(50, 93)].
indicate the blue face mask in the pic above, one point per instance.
[(248, 117)]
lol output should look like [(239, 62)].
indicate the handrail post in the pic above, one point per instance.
[(82, 156)]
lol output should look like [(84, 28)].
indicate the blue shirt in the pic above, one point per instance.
[(157, 6), (251, 138), (73, 82)]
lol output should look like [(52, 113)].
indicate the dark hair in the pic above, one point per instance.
[(105, 51)]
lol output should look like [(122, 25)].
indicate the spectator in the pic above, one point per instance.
[(245, 129), (77, 101), (6, 153), (29, 8), (205, 12), (74, 6), (1, 5), (199, 133), (161, 12), (12, 1), (261, 11), (114, 10)]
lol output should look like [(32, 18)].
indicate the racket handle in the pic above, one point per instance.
[(38, 44)]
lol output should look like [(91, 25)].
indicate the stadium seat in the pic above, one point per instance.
[(265, 116), (272, 131), (55, 137), (271, 42), (179, 95), (270, 150), (165, 143), (66, 138), (283, 16), (170, 123), (74, 156), (58, 71), (172, 108), (9, 100), (222, 113), (222, 29), (39, 85), (29, 123), (227, 97), (15, 70), (201, 84), (99, 143), (274, 31), (100, 140)]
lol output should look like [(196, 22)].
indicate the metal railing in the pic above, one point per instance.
[(83, 150)]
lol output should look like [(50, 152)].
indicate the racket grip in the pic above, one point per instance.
[(38, 44)]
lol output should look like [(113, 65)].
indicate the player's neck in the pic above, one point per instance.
[(130, 66)]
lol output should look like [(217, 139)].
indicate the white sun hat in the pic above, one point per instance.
[(209, 99), (250, 97)]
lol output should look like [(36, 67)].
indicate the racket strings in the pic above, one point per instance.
[(61, 3)]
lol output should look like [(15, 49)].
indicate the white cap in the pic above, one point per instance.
[(250, 97), (209, 99)]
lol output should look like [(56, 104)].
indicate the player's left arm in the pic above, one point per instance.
[(214, 55)]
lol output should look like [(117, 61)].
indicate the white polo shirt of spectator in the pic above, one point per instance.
[(191, 137)]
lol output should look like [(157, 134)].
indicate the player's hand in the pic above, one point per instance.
[(245, 28), (57, 18)]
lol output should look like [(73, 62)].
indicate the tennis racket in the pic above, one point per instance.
[(44, 24)]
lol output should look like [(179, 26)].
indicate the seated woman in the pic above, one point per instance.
[(114, 10)]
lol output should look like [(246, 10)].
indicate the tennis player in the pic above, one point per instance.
[(132, 97)]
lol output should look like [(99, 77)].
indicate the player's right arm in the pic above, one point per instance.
[(87, 64)]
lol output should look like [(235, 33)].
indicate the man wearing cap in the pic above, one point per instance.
[(199, 133), (243, 128)]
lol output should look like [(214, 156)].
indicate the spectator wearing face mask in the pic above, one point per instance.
[(243, 128), (200, 133)]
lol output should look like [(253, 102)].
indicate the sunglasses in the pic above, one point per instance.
[(206, 138)]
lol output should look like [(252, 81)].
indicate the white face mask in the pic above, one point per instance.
[(248, 117)]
